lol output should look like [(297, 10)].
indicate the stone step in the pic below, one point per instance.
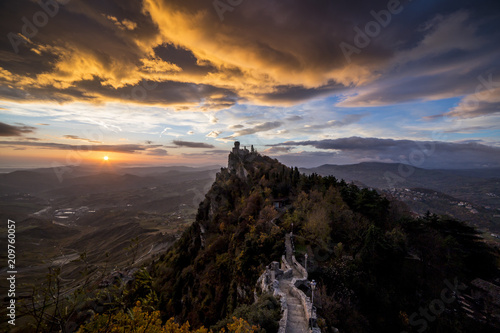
[(296, 311), (299, 317), (294, 305), (295, 328)]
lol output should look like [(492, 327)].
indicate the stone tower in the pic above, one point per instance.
[(236, 148)]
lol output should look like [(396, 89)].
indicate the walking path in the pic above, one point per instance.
[(297, 320)]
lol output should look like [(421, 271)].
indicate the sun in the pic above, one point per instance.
[(106, 158)]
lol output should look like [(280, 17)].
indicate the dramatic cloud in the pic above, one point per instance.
[(9, 130), (189, 144), (440, 66), (151, 52)]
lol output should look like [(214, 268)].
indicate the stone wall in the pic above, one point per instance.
[(268, 282), (286, 268), (284, 310), (304, 300), (300, 268)]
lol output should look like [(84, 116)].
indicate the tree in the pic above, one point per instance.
[(53, 305), (138, 320)]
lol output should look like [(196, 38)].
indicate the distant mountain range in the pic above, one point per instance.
[(467, 184), (388, 175), (85, 180)]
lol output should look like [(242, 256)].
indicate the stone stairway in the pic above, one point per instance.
[(297, 321), (282, 282)]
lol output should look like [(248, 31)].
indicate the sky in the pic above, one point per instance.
[(164, 82)]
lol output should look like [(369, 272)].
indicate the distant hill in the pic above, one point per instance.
[(390, 175), (85, 180)]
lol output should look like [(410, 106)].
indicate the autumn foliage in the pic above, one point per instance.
[(138, 320)]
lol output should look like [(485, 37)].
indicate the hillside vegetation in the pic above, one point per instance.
[(374, 264)]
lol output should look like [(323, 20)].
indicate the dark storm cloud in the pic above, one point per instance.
[(10, 130), (455, 58), (81, 33), (272, 52), (183, 58), (296, 93), (165, 93), (190, 144), (423, 153)]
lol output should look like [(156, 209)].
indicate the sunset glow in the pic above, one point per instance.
[(167, 81)]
